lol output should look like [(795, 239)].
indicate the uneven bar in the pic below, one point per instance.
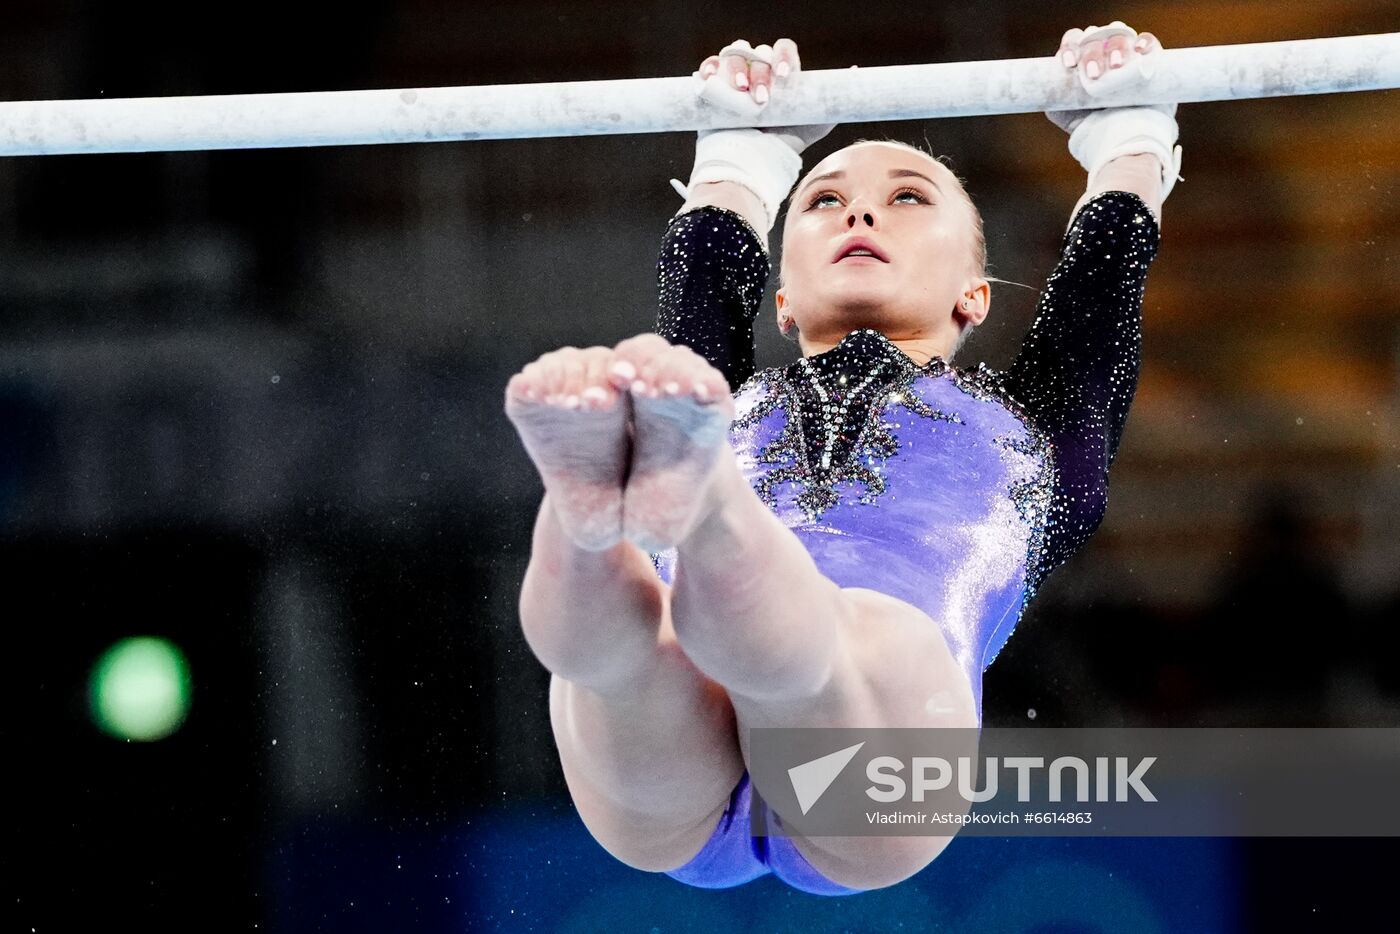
[(666, 105)]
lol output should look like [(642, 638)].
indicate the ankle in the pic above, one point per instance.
[(553, 537)]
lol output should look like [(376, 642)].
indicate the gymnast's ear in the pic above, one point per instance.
[(780, 297), (975, 303)]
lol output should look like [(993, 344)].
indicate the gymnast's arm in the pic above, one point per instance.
[(729, 195), (1140, 173), (1077, 369), (711, 273)]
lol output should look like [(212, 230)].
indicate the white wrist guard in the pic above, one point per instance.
[(1106, 134), (759, 161)]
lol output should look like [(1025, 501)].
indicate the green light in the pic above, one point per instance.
[(140, 689)]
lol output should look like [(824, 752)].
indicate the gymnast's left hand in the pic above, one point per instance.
[(1106, 58), (1100, 51)]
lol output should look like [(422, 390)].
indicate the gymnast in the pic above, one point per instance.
[(845, 541)]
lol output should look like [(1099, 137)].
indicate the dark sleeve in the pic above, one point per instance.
[(711, 275), (1077, 369)]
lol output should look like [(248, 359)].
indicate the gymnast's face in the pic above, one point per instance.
[(911, 208)]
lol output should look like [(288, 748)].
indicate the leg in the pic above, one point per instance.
[(685, 489), (793, 649), (647, 743), (755, 614), (895, 670)]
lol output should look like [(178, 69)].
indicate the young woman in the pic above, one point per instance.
[(846, 541)]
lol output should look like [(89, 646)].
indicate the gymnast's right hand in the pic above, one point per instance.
[(743, 78), (765, 160)]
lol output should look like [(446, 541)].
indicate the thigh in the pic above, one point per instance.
[(895, 670), (906, 660), (651, 772)]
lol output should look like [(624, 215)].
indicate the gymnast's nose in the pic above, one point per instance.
[(859, 211)]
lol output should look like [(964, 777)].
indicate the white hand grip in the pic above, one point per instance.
[(1138, 68)]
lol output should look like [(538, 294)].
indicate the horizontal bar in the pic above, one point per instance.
[(665, 105)]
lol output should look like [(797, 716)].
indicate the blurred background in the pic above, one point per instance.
[(251, 412)]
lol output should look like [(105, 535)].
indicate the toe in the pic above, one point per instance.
[(621, 373), (597, 391), (530, 384), (670, 375), (707, 383), (520, 388), (545, 374), (697, 377), (638, 352), (570, 382), (658, 370)]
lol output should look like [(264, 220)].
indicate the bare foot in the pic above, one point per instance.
[(574, 424), (681, 410)]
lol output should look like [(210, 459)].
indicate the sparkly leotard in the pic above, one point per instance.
[(955, 489)]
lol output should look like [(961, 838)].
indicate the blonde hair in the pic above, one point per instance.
[(977, 258)]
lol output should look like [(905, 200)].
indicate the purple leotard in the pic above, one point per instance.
[(955, 489)]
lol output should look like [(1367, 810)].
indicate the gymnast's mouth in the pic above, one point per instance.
[(858, 247)]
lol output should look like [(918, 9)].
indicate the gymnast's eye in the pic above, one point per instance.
[(919, 195)]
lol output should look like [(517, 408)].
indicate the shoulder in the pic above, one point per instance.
[(988, 384), (767, 379), (981, 381)]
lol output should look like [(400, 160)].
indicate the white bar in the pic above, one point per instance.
[(665, 105)]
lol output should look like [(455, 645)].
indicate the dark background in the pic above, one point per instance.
[(251, 402)]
